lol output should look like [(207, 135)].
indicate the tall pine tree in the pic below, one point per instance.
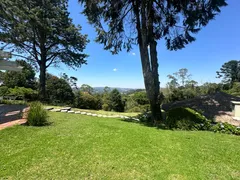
[(123, 23), (41, 32)]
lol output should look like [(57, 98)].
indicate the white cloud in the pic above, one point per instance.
[(115, 69), (133, 54)]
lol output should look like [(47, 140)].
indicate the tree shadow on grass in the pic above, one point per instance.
[(145, 123)]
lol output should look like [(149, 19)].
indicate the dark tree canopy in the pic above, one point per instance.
[(58, 90), (42, 32), (116, 103), (230, 71), (174, 20)]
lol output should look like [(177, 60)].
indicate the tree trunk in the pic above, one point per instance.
[(149, 60), (42, 87), (151, 81), (149, 63)]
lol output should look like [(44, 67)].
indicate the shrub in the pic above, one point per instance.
[(26, 93), (85, 100), (225, 128), (135, 109), (186, 119), (3, 90), (15, 102), (105, 107), (37, 116), (140, 108)]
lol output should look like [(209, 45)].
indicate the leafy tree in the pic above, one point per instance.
[(191, 83), (106, 89), (25, 78), (58, 90), (87, 88), (173, 82), (141, 98), (72, 81), (230, 72), (116, 103), (122, 23), (106, 99), (183, 75), (84, 100), (42, 33)]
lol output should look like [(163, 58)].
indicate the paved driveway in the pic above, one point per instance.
[(10, 113)]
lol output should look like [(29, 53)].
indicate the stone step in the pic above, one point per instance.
[(55, 110), (65, 111), (66, 108)]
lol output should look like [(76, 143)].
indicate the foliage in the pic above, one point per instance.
[(27, 93), (25, 78), (182, 75), (3, 90), (106, 107), (141, 98), (235, 90), (210, 88), (58, 91), (85, 100), (116, 103), (225, 128), (42, 33), (37, 116), (121, 24), (13, 102), (86, 88), (230, 72), (189, 88), (19, 92), (72, 81), (186, 119)]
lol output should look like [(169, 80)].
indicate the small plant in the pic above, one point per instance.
[(37, 116)]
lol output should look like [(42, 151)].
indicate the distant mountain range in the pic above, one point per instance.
[(122, 90)]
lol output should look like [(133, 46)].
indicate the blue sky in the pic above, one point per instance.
[(216, 44)]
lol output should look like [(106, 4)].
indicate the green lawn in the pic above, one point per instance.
[(83, 147)]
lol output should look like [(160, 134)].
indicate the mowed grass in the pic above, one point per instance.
[(82, 147)]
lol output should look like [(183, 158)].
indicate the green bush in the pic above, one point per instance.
[(37, 116), (25, 93), (186, 119), (140, 108), (3, 90), (15, 102), (105, 107), (225, 128), (84, 100), (135, 109)]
